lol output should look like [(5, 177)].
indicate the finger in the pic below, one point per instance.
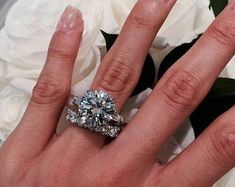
[(181, 90), (53, 87), (213, 152), (121, 67)]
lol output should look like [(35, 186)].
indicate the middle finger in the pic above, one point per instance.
[(180, 90)]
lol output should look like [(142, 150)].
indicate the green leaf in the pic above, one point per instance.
[(218, 5)]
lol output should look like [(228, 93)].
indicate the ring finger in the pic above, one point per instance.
[(120, 69)]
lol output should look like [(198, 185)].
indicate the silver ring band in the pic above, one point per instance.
[(96, 111)]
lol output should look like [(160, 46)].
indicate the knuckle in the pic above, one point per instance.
[(181, 89), (223, 31), (118, 76), (108, 179), (60, 52), (56, 171), (55, 177), (143, 16), (142, 21), (107, 176), (104, 177), (223, 141), (155, 177), (112, 178), (47, 91)]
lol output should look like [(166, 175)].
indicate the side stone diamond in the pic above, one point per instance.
[(75, 100), (72, 116), (113, 131)]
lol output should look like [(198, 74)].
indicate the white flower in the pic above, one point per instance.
[(185, 22), (30, 25), (12, 106), (228, 180), (230, 69), (27, 33)]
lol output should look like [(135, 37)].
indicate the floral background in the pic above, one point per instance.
[(26, 34)]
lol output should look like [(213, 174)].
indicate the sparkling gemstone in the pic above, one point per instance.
[(72, 116), (75, 100), (112, 131), (95, 108)]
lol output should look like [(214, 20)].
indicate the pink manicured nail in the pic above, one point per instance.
[(69, 20)]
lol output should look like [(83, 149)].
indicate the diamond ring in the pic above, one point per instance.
[(96, 111)]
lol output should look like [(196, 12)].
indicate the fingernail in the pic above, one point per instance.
[(69, 20)]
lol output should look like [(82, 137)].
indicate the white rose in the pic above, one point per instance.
[(228, 180), (230, 69), (12, 106), (185, 22), (27, 33), (29, 27)]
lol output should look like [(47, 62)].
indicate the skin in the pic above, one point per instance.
[(34, 155)]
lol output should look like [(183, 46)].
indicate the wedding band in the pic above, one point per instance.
[(96, 111)]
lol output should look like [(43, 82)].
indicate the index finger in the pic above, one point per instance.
[(52, 89)]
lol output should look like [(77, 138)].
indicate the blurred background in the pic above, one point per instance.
[(5, 5)]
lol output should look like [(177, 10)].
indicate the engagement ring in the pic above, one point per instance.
[(96, 111)]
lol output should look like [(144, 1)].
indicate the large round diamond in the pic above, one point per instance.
[(96, 109)]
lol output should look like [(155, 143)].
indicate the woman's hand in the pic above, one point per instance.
[(35, 156)]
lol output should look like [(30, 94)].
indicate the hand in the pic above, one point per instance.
[(34, 155)]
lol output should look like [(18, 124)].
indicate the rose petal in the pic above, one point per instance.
[(12, 106)]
